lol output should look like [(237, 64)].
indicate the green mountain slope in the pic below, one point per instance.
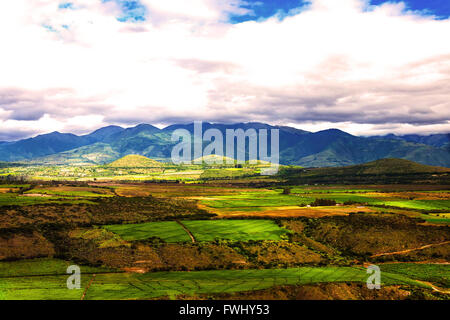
[(135, 161)]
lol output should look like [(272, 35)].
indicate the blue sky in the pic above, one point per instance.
[(268, 8), (440, 8), (135, 11)]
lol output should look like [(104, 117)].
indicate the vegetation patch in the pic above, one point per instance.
[(169, 231), (235, 230), (435, 273), (172, 284)]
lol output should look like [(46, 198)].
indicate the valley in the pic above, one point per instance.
[(241, 237)]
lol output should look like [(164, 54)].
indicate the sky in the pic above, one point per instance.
[(365, 67)]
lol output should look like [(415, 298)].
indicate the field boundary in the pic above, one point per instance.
[(88, 286), (187, 231)]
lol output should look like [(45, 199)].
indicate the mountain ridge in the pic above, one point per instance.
[(325, 148)]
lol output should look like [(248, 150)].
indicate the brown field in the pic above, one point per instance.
[(387, 187), (174, 190), (78, 189), (410, 195), (290, 211), (6, 190), (322, 291)]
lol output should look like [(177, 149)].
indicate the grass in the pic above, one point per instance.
[(69, 193), (203, 230), (235, 230), (257, 199), (341, 198), (421, 204), (171, 284), (169, 231), (330, 190), (40, 288), (439, 218), (10, 199), (435, 273)]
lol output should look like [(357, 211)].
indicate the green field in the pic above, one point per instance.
[(169, 231), (170, 284), (436, 273), (203, 230), (9, 199), (235, 230), (421, 204), (263, 198), (68, 193)]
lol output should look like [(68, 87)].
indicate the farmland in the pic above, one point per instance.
[(169, 231), (227, 235), (202, 230), (119, 285)]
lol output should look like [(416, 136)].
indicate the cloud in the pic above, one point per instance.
[(353, 66)]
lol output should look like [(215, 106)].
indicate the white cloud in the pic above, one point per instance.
[(349, 65)]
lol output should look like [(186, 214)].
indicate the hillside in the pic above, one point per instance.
[(213, 158), (382, 171), (392, 166), (135, 161)]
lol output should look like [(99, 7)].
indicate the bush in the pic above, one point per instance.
[(323, 203)]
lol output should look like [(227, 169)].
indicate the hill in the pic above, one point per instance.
[(379, 171), (135, 161), (393, 166)]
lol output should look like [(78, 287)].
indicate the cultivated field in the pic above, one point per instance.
[(230, 240), (103, 284)]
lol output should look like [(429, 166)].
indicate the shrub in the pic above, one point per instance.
[(323, 203)]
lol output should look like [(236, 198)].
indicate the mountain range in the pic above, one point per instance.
[(327, 148)]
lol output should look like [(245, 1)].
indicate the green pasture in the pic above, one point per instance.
[(306, 190), (169, 231), (235, 230), (440, 218), (64, 193), (203, 230), (435, 273), (420, 204), (264, 198), (108, 286), (14, 199)]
